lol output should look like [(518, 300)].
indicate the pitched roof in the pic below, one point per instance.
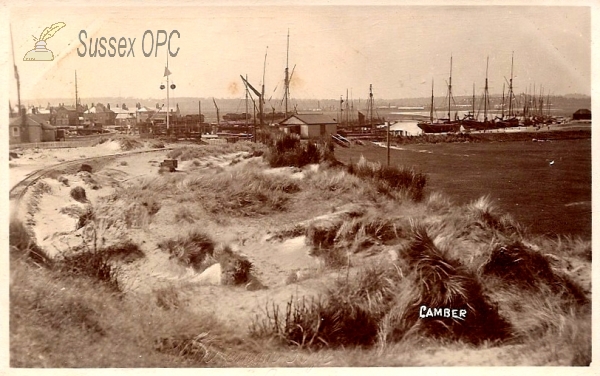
[(31, 120), (312, 119), (68, 108)]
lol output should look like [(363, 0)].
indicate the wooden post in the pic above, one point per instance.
[(388, 144)]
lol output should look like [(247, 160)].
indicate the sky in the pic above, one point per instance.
[(400, 50)]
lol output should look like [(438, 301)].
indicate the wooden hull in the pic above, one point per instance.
[(508, 123), (439, 127), (474, 125)]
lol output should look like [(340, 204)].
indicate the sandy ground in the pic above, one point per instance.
[(283, 268), (34, 159), (54, 229)]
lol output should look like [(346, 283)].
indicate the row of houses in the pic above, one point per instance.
[(98, 114)]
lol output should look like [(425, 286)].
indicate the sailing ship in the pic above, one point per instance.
[(510, 121), (441, 125), (273, 116), (474, 123)]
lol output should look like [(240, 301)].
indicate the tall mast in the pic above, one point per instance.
[(502, 101), (200, 118), (474, 101), (341, 109), (371, 104), (525, 103), (533, 108), (246, 116), (485, 94), (262, 93), (450, 88), (287, 79), (541, 100), (347, 109), (431, 108), (76, 103), (168, 88), (76, 94), (510, 86), (217, 108)]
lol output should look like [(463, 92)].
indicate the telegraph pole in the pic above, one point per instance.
[(20, 112), (76, 102), (287, 79)]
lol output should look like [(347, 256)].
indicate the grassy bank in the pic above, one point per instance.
[(384, 246)]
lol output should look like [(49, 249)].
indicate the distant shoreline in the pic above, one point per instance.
[(568, 132)]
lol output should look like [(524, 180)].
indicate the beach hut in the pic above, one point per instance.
[(309, 125)]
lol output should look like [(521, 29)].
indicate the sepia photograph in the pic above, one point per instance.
[(262, 185)]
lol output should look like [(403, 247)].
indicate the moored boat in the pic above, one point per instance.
[(441, 125)]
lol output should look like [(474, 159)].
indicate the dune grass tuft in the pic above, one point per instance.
[(288, 150), (78, 194), (440, 282), (347, 315), (235, 268), (73, 322), (242, 191), (516, 265), (22, 244), (100, 264), (194, 249), (389, 179), (129, 144)]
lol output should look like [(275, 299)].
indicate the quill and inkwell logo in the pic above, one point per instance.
[(40, 52)]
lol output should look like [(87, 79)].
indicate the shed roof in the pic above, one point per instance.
[(582, 111), (311, 119)]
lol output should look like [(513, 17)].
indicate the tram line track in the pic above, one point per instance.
[(19, 189)]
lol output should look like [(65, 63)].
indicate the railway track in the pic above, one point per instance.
[(19, 190)]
